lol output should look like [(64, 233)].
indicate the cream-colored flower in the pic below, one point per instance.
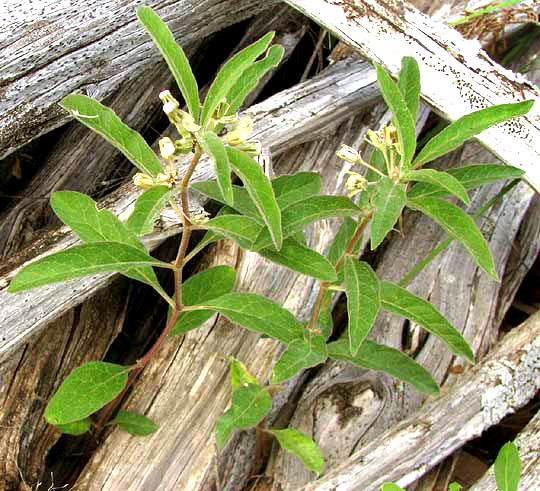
[(142, 180), (348, 154), (166, 148), (356, 183)]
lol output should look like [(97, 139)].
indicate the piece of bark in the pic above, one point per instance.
[(528, 443), (66, 47), (456, 76), (298, 114), (504, 381)]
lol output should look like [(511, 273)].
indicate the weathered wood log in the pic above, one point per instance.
[(528, 443), (48, 53), (457, 77), (478, 399), (293, 116)]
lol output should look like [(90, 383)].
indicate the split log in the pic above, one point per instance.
[(67, 47), (481, 397), (296, 115), (457, 77)]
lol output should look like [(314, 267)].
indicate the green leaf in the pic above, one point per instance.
[(470, 177), (205, 285), (409, 84), (389, 201), (250, 78), (215, 148), (76, 427), (230, 73), (460, 226), (174, 56), (250, 404), (260, 190), (147, 209), (302, 446), (440, 180), (258, 314), (241, 202), (296, 217), (80, 213), (302, 259), (300, 353), (402, 302), (240, 376), (508, 468), (106, 123), (390, 486), (288, 190), (292, 189), (385, 359), (134, 423), (458, 132), (86, 389), (405, 123), (363, 300), (241, 229), (83, 260), (454, 486)]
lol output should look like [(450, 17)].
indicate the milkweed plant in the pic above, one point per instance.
[(265, 216)]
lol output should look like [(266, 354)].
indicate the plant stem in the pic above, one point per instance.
[(324, 284), (177, 306)]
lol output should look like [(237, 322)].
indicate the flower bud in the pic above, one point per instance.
[(142, 180), (221, 109), (348, 154), (166, 148), (253, 148), (200, 216), (356, 183)]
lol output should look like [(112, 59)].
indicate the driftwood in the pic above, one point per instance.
[(187, 389), (457, 77), (86, 47), (497, 386), (295, 115)]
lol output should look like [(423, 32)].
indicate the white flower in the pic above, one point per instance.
[(348, 154)]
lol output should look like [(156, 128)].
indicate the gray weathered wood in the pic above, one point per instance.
[(457, 77), (528, 443), (51, 50), (291, 117), (479, 398)]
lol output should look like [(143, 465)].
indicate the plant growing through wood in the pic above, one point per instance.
[(266, 216), (507, 471)]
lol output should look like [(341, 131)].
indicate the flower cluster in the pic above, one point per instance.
[(387, 142)]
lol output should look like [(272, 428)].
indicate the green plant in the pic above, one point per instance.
[(267, 217), (507, 471)]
